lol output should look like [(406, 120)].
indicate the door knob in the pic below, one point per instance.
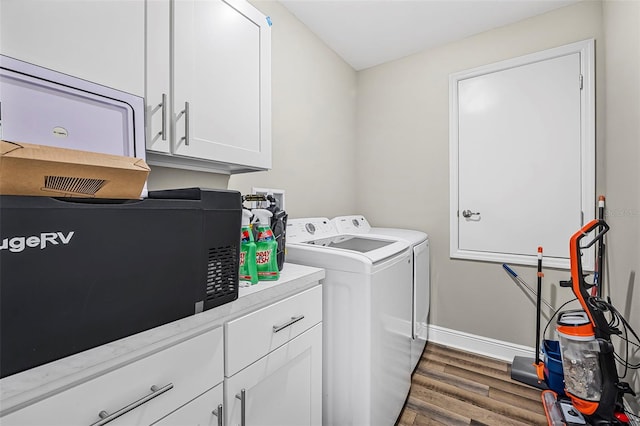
[(468, 213)]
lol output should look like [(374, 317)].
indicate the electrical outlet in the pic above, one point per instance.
[(278, 194)]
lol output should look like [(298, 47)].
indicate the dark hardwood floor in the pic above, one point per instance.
[(452, 387)]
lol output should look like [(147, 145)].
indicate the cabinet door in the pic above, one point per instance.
[(158, 75), (101, 40), (282, 388), (199, 412), (222, 72)]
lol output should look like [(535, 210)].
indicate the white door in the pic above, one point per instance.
[(221, 82), (521, 179), (282, 388)]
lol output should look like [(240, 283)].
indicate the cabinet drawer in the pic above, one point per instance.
[(258, 333), (190, 367)]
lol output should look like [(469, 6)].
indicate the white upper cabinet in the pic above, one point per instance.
[(213, 56), (212, 60), (100, 40)]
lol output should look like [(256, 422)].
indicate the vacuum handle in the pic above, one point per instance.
[(590, 227), (580, 287)]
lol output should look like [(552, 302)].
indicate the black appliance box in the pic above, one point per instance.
[(79, 273)]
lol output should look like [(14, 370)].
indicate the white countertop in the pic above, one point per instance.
[(27, 387)]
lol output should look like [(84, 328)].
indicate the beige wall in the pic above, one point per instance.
[(622, 159), (313, 106), (403, 120), (168, 178), (403, 168)]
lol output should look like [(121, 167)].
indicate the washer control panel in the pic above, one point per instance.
[(354, 224), (305, 229)]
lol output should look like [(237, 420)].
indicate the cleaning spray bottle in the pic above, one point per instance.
[(266, 247), (248, 269)]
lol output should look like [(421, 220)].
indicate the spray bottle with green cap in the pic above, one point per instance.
[(248, 269), (266, 247)]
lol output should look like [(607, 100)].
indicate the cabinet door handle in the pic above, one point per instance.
[(242, 396), (162, 106), (185, 112), (292, 321), (219, 413), (155, 392)]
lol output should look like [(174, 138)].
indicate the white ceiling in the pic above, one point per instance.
[(370, 32)]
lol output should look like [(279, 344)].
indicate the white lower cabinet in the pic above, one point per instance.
[(278, 385), (254, 335), (282, 388), (124, 396), (265, 369)]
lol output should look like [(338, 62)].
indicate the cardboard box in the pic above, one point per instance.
[(28, 169)]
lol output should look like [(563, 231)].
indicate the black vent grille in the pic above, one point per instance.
[(84, 186), (222, 276)]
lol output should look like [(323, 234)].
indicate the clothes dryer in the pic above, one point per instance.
[(419, 241), (366, 320)]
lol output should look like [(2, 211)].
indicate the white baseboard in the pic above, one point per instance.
[(478, 344)]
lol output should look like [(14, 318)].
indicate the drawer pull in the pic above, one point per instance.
[(292, 321), (219, 413), (185, 112), (162, 106), (242, 396), (105, 417)]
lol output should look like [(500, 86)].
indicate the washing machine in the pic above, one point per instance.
[(366, 320), (419, 241)]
